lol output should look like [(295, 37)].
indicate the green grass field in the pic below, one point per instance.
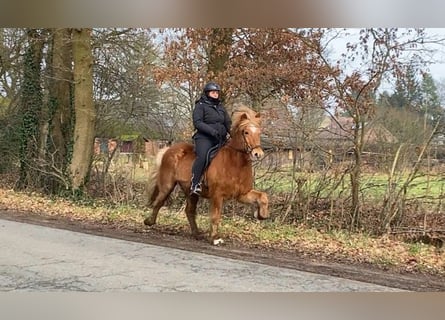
[(373, 186)]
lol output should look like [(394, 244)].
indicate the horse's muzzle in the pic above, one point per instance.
[(256, 153)]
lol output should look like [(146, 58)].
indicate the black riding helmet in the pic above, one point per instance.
[(211, 86)]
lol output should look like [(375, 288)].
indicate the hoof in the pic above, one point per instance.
[(217, 242), (198, 235), (148, 222)]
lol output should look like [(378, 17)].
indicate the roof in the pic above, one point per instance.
[(342, 128), (281, 130)]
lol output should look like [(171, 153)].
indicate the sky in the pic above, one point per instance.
[(436, 69)]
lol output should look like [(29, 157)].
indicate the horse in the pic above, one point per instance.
[(228, 176)]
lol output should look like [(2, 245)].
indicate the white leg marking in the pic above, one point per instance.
[(218, 241)]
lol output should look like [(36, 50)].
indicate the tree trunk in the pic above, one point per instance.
[(85, 113), (60, 97), (219, 50), (219, 53), (58, 127), (356, 170), (31, 108)]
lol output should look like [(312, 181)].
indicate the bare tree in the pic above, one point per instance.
[(377, 54), (125, 93)]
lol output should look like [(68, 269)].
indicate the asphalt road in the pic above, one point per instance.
[(41, 259)]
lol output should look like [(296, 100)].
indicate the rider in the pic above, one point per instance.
[(212, 124)]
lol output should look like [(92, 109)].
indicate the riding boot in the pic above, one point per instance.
[(196, 189)]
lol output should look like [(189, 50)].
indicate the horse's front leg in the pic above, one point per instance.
[(215, 220), (260, 199)]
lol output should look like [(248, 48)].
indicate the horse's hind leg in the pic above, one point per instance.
[(161, 195), (190, 211)]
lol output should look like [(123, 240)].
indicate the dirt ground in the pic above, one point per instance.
[(162, 236)]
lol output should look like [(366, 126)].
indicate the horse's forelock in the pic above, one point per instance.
[(243, 115)]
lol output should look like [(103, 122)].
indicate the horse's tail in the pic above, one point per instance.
[(159, 156), (152, 186)]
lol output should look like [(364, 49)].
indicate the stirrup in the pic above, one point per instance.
[(196, 189)]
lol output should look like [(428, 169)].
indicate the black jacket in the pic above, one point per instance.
[(211, 119)]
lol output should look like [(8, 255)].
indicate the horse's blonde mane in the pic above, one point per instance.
[(252, 116)]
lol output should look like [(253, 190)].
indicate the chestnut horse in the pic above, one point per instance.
[(229, 175)]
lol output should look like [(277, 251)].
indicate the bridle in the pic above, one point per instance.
[(247, 148)]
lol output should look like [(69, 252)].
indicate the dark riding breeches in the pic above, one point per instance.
[(205, 149)]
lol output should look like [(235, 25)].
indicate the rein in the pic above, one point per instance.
[(239, 150)]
